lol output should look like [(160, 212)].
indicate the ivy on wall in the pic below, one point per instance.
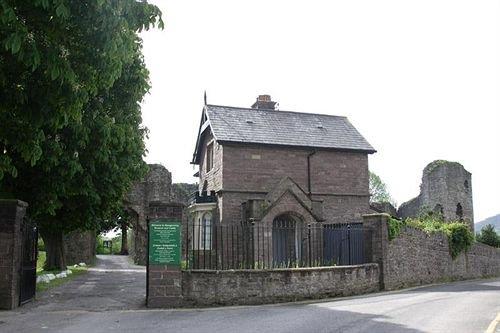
[(460, 237)]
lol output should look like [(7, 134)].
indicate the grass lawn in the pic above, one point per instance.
[(40, 287), (41, 260)]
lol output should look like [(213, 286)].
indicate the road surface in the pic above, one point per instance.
[(110, 298)]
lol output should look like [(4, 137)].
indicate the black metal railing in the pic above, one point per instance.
[(281, 245), (204, 197)]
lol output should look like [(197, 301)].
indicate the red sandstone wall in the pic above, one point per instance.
[(339, 179)]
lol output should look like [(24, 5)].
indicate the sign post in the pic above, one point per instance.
[(165, 242), (164, 276)]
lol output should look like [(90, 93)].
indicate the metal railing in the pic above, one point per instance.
[(281, 245), (205, 197)]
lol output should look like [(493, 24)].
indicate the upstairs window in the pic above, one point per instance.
[(210, 157)]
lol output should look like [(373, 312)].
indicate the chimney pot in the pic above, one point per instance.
[(264, 102)]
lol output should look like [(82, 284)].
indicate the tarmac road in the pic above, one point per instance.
[(113, 301)]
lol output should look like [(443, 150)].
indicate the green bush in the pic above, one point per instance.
[(460, 237), (394, 227)]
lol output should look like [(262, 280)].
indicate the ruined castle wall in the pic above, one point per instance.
[(448, 185), (446, 189), (410, 208), (155, 187)]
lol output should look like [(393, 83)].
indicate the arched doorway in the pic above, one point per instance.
[(287, 241)]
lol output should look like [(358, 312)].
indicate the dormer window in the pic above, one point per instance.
[(210, 157)]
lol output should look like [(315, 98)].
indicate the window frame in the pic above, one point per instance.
[(209, 159)]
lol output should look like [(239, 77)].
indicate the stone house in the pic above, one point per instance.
[(272, 167)]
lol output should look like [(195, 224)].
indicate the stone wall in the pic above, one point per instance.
[(182, 192), (210, 180), (154, 188), (384, 207), (207, 288), (164, 281), (338, 179), (79, 246), (12, 213), (416, 258)]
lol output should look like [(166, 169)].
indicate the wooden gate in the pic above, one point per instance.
[(29, 256)]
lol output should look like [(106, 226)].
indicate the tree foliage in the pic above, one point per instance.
[(489, 236), (72, 76), (378, 190)]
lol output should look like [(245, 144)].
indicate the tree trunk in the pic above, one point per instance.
[(124, 250), (54, 250)]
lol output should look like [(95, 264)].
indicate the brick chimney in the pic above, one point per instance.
[(264, 102)]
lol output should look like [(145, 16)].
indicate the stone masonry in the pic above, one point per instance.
[(164, 282), (12, 213), (154, 188), (415, 258), (209, 288), (412, 258), (339, 180), (446, 189), (79, 246)]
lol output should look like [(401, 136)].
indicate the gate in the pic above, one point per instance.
[(343, 244), (287, 244), (29, 256)]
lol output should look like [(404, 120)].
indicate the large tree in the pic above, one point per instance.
[(378, 190), (71, 142)]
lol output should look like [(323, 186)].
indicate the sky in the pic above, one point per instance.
[(419, 79)]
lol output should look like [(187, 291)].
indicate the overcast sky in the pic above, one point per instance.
[(419, 79)]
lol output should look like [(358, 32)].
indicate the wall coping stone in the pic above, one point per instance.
[(13, 201), (280, 270)]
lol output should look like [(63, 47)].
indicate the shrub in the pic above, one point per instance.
[(394, 227), (460, 237)]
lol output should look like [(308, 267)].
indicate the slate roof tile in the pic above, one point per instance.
[(261, 126)]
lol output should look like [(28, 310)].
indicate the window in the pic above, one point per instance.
[(206, 232), (210, 157), (460, 212)]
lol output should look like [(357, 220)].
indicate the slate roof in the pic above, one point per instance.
[(286, 128)]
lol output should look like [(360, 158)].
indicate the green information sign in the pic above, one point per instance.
[(165, 242)]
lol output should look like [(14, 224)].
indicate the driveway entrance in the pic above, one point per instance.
[(114, 283)]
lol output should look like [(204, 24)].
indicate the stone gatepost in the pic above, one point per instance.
[(164, 277), (12, 213), (376, 251)]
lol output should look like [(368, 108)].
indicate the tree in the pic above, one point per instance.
[(378, 190), (489, 236), (72, 76)]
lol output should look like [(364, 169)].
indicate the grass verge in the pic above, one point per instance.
[(42, 256), (43, 286)]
